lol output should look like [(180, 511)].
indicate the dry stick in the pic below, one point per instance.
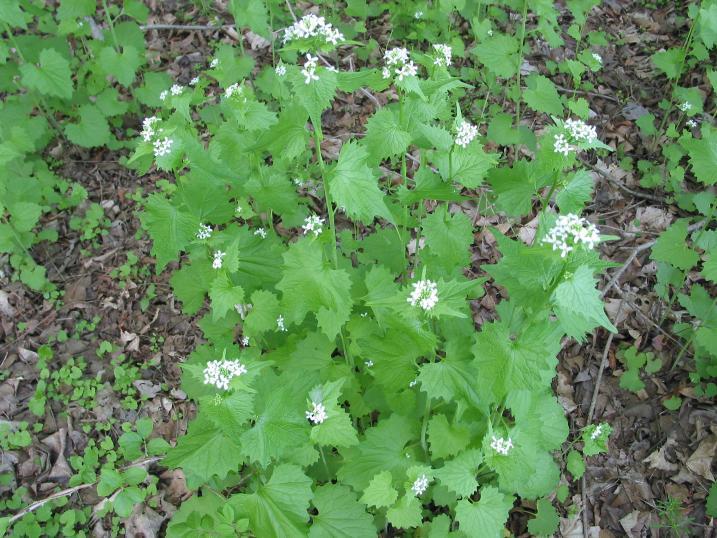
[(184, 27), (619, 184), (591, 94), (65, 492)]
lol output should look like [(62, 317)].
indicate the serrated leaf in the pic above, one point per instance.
[(466, 166), (708, 25), (546, 520), (542, 96), (340, 515), (711, 504), (500, 55), (709, 268), (262, 317), (190, 284), (380, 491), (224, 295), (406, 513), (121, 65), (669, 61), (672, 247), (446, 439), (487, 517), (448, 240), (92, 131), (703, 155), (576, 193), (353, 186), (316, 96), (575, 464), (11, 14), (459, 474), (337, 429), (251, 14), (171, 229), (52, 77), (595, 438), (384, 136)]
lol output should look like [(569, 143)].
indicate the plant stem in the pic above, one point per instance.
[(520, 62), (108, 19), (546, 200), (424, 426), (318, 137)]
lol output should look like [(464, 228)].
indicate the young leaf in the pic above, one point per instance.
[(459, 474), (446, 439), (406, 513), (340, 515), (575, 464), (171, 229), (546, 520), (224, 295), (500, 55), (542, 96), (121, 65), (52, 77), (384, 136), (703, 155), (487, 517), (380, 491), (671, 247), (92, 131)]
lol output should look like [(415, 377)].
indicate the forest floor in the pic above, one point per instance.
[(116, 313)]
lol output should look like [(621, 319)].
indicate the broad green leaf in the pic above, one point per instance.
[(672, 247), (25, 215), (340, 515), (546, 520), (171, 229), (11, 14), (575, 464), (126, 500), (316, 96), (92, 131), (579, 306), (380, 491), (595, 438), (279, 508), (121, 65), (459, 474), (110, 481), (711, 504), (354, 188), (446, 439), (709, 268), (224, 295), (190, 284), (487, 517), (466, 166), (500, 55), (251, 14), (515, 188), (384, 136), (406, 513), (669, 61), (262, 317), (448, 240), (576, 193), (542, 96), (337, 429), (708, 25), (52, 77), (703, 155)]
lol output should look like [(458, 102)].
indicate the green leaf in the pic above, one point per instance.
[(466, 166), (669, 61), (446, 439), (171, 229), (500, 55), (11, 14), (340, 515), (487, 517), (110, 481), (121, 65), (52, 77), (126, 500), (708, 25), (546, 520), (380, 491), (671, 247), (384, 136), (575, 464), (459, 474), (576, 193), (354, 187), (316, 96), (25, 215), (406, 513), (448, 240), (709, 268), (337, 430), (92, 131), (515, 187), (579, 306), (703, 155), (278, 509), (262, 317), (542, 96), (309, 285), (595, 438), (224, 295), (190, 284), (711, 504), (251, 14)]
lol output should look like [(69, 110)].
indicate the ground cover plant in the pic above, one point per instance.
[(381, 298)]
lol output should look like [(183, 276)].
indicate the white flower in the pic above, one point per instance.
[(148, 131), (386, 72), (489, 32), (398, 59), (220, 373), (596, 432), (597, 58), (218, 256), (420, 485), (214, 63), (317, 414), (561, 145), (445, 55), (368, 363), (686, 106), (311, 25), (245, 341), (234, 89), (581, 131), (466, 133), (412, 383), (418, 14), (395, 56), (280, 324), (500, 445), (176, 89), (424, 294), (570, 231), (691, 123), (205, 232), (194, 81), (309, 70), (280, 70), (261, 232), (313, 224), (163, 95), (163, 146)]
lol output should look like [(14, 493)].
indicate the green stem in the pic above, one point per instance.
[(108, 19), (318, 137), (520, 63), (546, 200), (424, 426)]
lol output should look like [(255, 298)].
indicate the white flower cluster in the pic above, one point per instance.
[(148, 130), (685, 107), (194, 81), (597, 58), (368, 363), (424, 294), (576, 131), (280, 69), (163, 146), (691, 123), (311, 25), (420, 486), (176, 89), (596, 432), (245, 341), (445, 55), (500, 445), (309, 70), (205, 232), (570, 231), (466, 133), (261, 232), (318, 414), (218, 256), (418, 15), (235, 89), (220, 373), (214, 63), (313, 224), (280, 324), (398, 59)]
